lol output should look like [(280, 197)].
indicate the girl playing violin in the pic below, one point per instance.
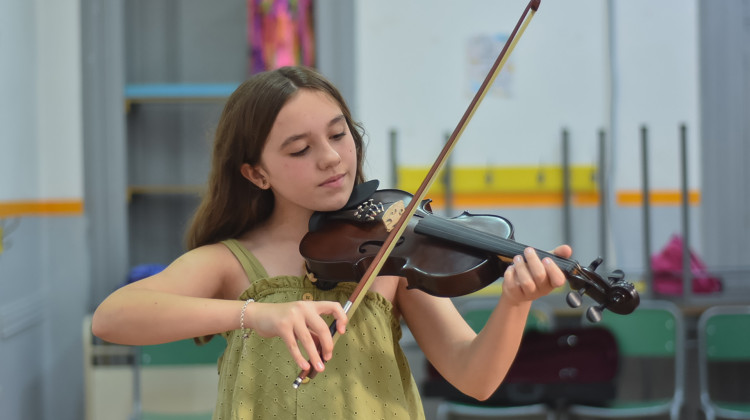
[(285, 147)]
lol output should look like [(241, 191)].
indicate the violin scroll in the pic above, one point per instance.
[(612, 293)]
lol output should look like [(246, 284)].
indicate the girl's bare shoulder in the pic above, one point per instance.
[(212, 257), (209, 270)]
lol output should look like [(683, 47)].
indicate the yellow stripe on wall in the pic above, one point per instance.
[(492, 200), (41, 208), (525, 179), (527, 186)]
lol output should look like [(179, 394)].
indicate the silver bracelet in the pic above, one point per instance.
[(242, 318)]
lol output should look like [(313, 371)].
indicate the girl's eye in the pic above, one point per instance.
[(339, 135), (301, 152)]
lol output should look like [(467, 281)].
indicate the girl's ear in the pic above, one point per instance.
[(256, 175)]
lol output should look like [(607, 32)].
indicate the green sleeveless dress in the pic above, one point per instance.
[(368, 376)]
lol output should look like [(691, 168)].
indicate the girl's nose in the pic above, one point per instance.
[(329, 156)]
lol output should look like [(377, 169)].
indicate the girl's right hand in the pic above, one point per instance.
[(298, 323)]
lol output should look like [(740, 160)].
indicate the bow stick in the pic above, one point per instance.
[(399, 227)]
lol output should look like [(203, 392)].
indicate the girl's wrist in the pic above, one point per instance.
[(243, 323), (510, 302)]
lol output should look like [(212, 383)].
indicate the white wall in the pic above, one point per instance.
[(58, 91), (413, 77), (656, 83), (43, 267), (41, 119), (412, 72), (18, 130)]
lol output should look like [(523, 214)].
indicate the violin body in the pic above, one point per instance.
[(341, 245)]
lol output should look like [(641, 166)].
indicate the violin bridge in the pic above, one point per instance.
[(392, 215)]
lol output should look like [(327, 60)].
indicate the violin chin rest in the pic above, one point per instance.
[(360, 194)]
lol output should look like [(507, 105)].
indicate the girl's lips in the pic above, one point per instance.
[(333, 181)]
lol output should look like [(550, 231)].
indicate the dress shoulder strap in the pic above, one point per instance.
[(253, 268)]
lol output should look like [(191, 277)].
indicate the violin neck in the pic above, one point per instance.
[(448, 230)]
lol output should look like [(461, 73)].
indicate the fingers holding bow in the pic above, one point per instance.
[(530, 277), (301, 327)]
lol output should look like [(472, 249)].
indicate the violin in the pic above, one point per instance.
[(445, 257)]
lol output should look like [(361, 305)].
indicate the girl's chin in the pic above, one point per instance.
[(336, 202)]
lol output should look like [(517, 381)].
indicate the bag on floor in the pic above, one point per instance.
[(574, 365)]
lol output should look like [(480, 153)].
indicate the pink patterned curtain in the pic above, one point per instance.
[(280, 33)]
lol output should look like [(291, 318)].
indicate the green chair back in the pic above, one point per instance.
[(648, 339), (476, 318), (724, 343), (727, 337), (478, 312), (183, 352), (647, 332)]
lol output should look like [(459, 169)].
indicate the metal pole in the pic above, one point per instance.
[(393, 135), (602, 180), (687, 276), (648, 274), (448, 182), (137, 413), (566, 187)]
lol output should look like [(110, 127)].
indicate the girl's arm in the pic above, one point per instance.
[(179, 302), (476, 364), (197, 294)]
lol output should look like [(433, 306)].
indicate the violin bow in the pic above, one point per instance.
[(400, 225)]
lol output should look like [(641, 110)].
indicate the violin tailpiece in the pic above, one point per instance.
[(370, 211)]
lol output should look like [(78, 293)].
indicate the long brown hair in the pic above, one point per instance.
[(233, 205)]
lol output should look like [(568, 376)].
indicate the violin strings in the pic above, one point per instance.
[(475, 238)]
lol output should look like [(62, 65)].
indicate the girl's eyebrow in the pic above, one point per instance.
[(335, 120)]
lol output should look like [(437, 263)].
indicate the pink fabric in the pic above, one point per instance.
[(667, 269), (280, 33)]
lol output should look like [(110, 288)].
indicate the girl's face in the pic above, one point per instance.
[(309, 160)]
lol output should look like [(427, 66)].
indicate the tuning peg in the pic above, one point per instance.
[(616, 275), (594, 313), (574, 297), (594, 264)]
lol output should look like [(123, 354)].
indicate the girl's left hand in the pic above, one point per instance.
[(530, 277)]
